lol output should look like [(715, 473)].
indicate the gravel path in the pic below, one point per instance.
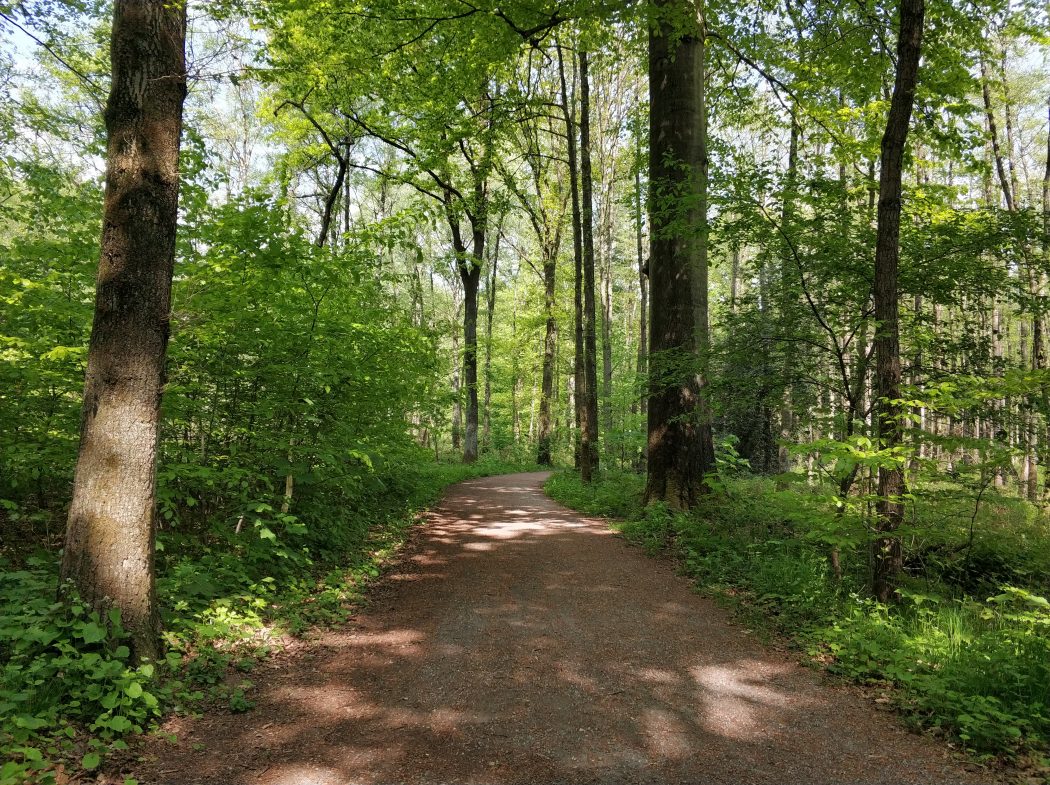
[(520, 643)]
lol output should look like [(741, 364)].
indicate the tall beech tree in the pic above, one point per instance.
[(568, 107), (544, 202), (680, 445), (589, 422), (887, 554), (109, 548)]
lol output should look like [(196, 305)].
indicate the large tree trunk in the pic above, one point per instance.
[(550, 345), (110, 534), (490, 292), (787, 302), (1046, 256), (579, 378), (470, 274), (680, 442), (469, 263), (886, 549), (643, 290), (589, 423), (457, 395), (607, 317)]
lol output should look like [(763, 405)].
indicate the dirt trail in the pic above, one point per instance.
[(520, 643)]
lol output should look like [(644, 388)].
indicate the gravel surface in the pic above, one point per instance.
[(517, 642)]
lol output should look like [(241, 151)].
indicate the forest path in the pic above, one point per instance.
[(517, 642)]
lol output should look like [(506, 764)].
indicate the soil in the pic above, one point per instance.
[(517, 642)]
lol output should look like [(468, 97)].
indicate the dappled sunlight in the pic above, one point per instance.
[(737, 698), (530, 641), (304, 774), (506, 530), (657, 676), (666, 735)]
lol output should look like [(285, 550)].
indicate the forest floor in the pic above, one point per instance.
[(517, 642)]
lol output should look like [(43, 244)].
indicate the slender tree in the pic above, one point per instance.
[(641, 364), (490, 310), (886, 549), (110, 532)]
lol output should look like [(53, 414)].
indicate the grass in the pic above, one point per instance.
[(963, 654), (69, 690)]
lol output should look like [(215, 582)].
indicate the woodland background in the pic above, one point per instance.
[(337, 166)]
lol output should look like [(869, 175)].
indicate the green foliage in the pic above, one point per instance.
[(66, 679), (616, 495), (974, 667), (64, 669)]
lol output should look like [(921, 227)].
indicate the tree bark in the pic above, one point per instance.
[(470, 274), (787, 300), (110, 534), (643, 291), (679, 442), (605, 277), (589, 422), (550, 345), (579, 379), (1045, 444), (887, 557), (457, 395), (490, 297), (993, 136)]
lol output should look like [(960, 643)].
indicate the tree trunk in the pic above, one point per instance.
[(643, 291), (110, 534), (993, 137), (490, 292), (1011, 147), (579, 379), (550, 344), (887, 555), (607, 316), (515, 426), (680, 442), (469, 263), (589, 423), (470, 274), (457, 395), (1045, 442), (787, 301)]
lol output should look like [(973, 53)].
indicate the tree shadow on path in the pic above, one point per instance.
[(520, 643)]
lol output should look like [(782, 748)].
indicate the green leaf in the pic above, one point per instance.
[(90, 761), (92, 632)]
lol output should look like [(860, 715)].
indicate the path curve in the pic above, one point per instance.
[(520, 643)]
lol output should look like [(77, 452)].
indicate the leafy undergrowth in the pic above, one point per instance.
[(973, 668), (69, 690)]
